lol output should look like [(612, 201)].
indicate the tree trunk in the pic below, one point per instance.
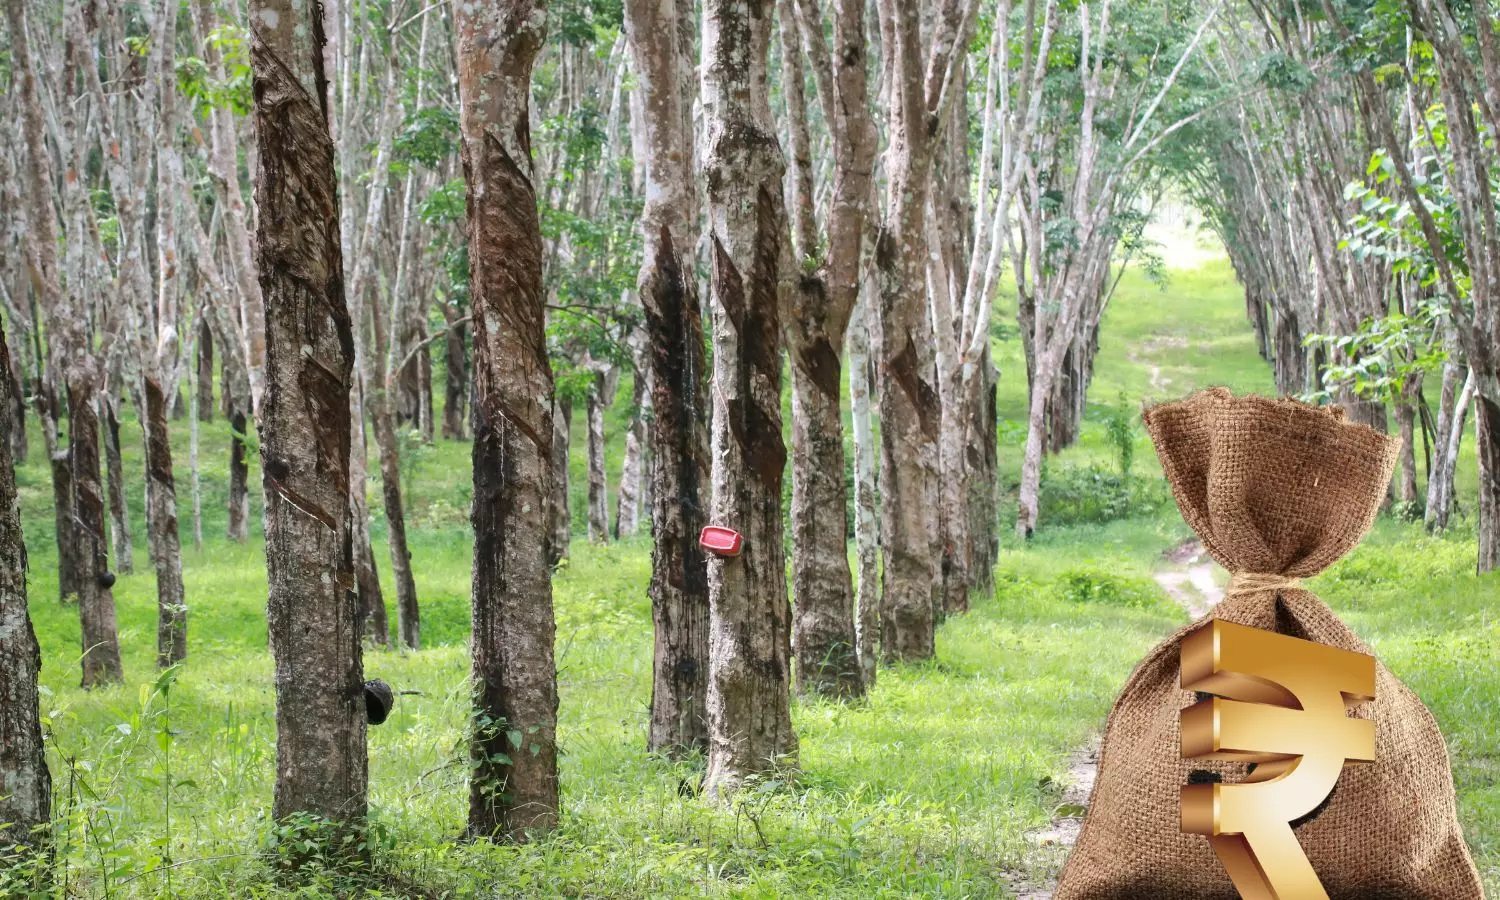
[(370, 596), (633, 466), (983, 462), (749, 712), (664, 71), (239, 477), (119, 515), (456, 387), (17, 430), (25, 802), (601, 396), (1440, 480), (562, 515), (513, 782), (68, 565), (1031, 456), (424, 388), (866, 519), (96, 600), (1487, 437), (161, 523), (205, 370), (408, 613), (321, 755), (1406, 420)]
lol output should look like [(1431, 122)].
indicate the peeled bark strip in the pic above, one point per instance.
[(749, 714), (674, 329), (119, 515), (25, 785), (513, 745), (161, 522), (321, 757), (562, 516)]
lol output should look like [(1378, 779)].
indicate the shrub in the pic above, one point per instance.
[(1107, 588), (1095, 495)]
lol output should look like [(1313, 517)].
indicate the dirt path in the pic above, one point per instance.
[(1188, 578)]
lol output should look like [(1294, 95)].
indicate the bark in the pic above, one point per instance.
[(119, 513), (96, 602), (749, 714), (601, 396), (161, 523), (321, 756), (1450, 425), (370, 596), (633, 466), (408, 613), (456, 384), (17, 429), (238, 528), (513, 789), (679, 434), (866, 518), (205, 371), (25, 784), (1487, 437), (1406, 420), (562, 516), (60, 460)]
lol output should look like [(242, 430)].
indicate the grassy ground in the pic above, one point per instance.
[(927, 789)]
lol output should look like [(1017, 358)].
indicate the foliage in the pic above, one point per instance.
[(1094, 494), (1120, 426), (1095, 585), (232, 92), (1381, 358)]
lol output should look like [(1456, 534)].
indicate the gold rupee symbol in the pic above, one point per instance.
[(1280, 704)]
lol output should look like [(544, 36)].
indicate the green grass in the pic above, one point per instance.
[(926, 789)]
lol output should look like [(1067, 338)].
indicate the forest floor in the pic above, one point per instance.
[(939, 784)]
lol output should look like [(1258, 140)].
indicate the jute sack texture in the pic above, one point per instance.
[(1277, 491)]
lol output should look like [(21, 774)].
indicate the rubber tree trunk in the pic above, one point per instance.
[(562, 515), (456, 388), (866, 519), (305, 433), (26, 797), (664, 69), (1487, 437), (408, 613), (513, 791), (749, 712), (238, 527), (96, 600), (633, 466), (370, 597), (161, 525), (114, 471), (1406, 421), (60, 459), (19, 448), (1452, 409), (601, 395), (205, 362)]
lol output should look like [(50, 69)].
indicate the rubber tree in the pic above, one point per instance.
[(321, 754), (513, 747), (675, 355), (749, 704), (26, 800), (816, 326)]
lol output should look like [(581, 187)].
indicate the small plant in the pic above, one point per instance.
[(1120, 425), (1095, 495), (1108, 589)]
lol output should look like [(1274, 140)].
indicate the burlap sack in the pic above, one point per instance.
[(1272, 488)]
